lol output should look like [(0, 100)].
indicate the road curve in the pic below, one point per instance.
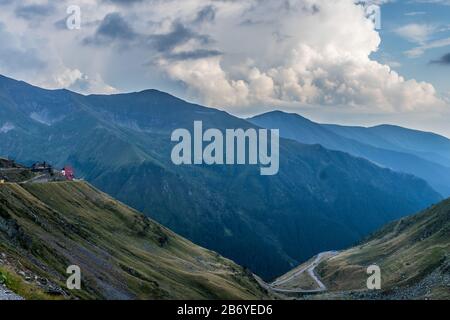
[(310, 270)]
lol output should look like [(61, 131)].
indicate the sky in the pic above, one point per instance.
[(332, 61)]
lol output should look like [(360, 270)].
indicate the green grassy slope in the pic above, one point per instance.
[(44, 228), (413, 254)]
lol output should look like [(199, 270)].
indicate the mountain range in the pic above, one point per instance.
[(423, 154), (320, 200)]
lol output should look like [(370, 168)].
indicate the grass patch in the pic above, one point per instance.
[(28, 291)]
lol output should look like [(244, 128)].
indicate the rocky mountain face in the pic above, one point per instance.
[(320, 199)]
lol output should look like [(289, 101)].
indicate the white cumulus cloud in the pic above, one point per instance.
[(304, 52), (237, 55)]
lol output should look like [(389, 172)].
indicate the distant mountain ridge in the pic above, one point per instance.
[(320, 199), (427, 145), (425, 155)]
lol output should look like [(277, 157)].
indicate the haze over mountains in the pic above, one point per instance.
[(320, 199), (423, 154)]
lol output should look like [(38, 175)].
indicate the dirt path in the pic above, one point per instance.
[(38, 179)]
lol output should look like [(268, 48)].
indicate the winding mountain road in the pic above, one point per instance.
[(275, 286)]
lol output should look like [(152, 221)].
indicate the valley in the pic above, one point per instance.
[(320, 199), (224, 158), (47, 226), (412, 253)]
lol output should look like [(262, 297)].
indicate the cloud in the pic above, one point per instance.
[(440, 2), (420, 50), (34, 11), (123, 2), (425, 36), (206, 14), (415, 13), (17, 54), (416, 33), (179, 35), (113, 27), (444, 60), (237, 55), (7, 127), (193, 55), (34, 51), (328, 67)]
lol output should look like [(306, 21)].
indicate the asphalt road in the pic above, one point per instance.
[(310, 270)]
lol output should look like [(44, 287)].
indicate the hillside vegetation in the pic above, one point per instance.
[(413, 255), (46, 227)]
